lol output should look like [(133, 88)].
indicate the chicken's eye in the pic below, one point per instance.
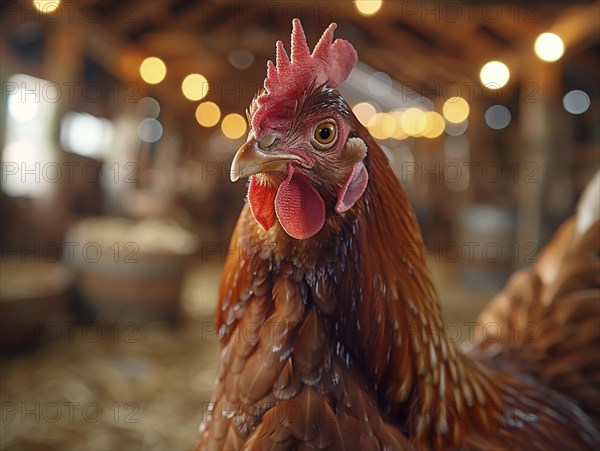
[(325, 135)]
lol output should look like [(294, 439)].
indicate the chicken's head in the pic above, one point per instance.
[(302, 155)]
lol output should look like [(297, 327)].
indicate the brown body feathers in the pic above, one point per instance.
[(336, 342)]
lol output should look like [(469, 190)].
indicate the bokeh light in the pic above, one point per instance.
[(413, 121), (368, 7), (241, 59), (46, 6), (364, 111), (382, 126), (456, 110), (22, 108), (576, 101), (150, 130), (456, 129), (86, 135), (194, 87), (435, 125), (399, 132), (494, 75), (497, 117), (233, 126), (153, 70), (549, 47), (379, 84), (148, 107), (208, 114)]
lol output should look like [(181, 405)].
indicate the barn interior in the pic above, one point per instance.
[(119, 123)]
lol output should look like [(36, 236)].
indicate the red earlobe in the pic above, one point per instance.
[(353, 188)]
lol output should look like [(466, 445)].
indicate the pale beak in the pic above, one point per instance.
[(250, 159)]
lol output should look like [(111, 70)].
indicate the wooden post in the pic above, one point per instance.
[(539, 120)]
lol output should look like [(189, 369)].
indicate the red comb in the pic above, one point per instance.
[(330, 63)]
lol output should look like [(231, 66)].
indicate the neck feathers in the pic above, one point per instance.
[(393, 318)]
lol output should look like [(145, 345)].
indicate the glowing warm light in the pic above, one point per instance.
[(549, 47), (413, 121), (46, 6), (576, 101), (435, 125), (364, 111), (456, 110), (194, 87), (233, 126), (494, 75), (399, 132), (382, 126), (368, 7), (208, 114), (153, 70)]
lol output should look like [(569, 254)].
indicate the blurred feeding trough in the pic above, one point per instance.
[(129, 270)]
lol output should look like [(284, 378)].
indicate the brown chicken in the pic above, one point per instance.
[(330, 326)]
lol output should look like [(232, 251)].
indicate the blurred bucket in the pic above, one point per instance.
[(130, 270)]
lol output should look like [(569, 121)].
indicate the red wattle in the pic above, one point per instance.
[(299, 206), (261, 198)]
